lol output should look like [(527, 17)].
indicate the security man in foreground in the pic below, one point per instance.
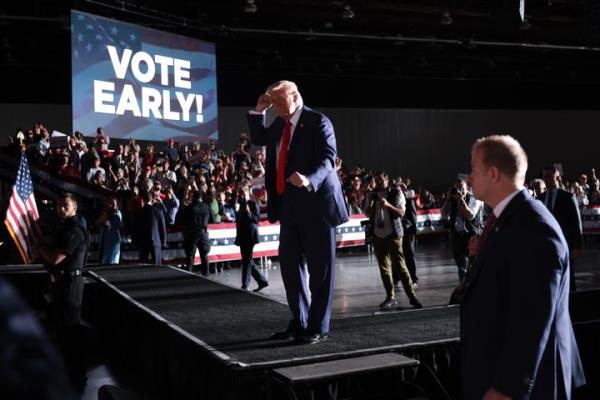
[(65, 255)]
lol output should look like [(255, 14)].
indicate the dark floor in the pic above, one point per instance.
[(358, 288)]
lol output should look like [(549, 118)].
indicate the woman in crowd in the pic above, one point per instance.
[(110, 223)]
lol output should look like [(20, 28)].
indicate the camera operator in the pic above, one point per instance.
[(247, 218), (65, 254), (385, 210), (464, 212)]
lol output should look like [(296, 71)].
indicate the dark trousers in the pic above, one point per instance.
[(249, 268), (201, 244), (408, 248), (146, 251), (309, 249), (67, 296), (460, 251)]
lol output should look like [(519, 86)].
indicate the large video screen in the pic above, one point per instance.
[(141, 83)]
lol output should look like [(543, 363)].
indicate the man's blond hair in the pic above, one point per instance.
[(506, 154), (288, 86)]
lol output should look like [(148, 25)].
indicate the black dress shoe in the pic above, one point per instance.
[(283, 335), (261, 286), (415, 303), (311, 338)]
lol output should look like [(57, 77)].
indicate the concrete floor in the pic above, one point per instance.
[(358, 288)]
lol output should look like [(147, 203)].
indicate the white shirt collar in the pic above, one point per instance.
[(295, 117), (502, 205)]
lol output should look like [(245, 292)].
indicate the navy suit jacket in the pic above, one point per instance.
[(312, 152), (566, 212), (246, 225), (516, 332)]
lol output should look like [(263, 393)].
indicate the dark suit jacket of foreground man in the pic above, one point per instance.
[(516, 332), (307, 217)]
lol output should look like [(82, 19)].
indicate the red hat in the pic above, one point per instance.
[(171, 140)]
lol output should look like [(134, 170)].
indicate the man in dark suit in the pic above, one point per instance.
[(246, 224), (150, 232), (563, 205), (305, 195), (517, 340)]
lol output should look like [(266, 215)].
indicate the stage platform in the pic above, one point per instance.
[(194, 337), (169, 334)]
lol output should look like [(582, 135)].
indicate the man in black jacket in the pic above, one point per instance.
[(195, 232), (65, 255)]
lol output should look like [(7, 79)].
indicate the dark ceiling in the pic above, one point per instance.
[(447, 53)]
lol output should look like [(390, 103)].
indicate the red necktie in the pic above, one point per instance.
[(283, 150), (490, 222)]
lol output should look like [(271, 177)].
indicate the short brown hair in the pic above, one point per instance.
[(67, 195), (505, 153)]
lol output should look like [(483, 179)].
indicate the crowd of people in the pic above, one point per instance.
[(174, 172), (171, 174)]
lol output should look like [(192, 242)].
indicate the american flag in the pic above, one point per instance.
[(22, 214)]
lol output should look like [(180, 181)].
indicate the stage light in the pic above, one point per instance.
[(250, 7), (446, 18), (347, 13)]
